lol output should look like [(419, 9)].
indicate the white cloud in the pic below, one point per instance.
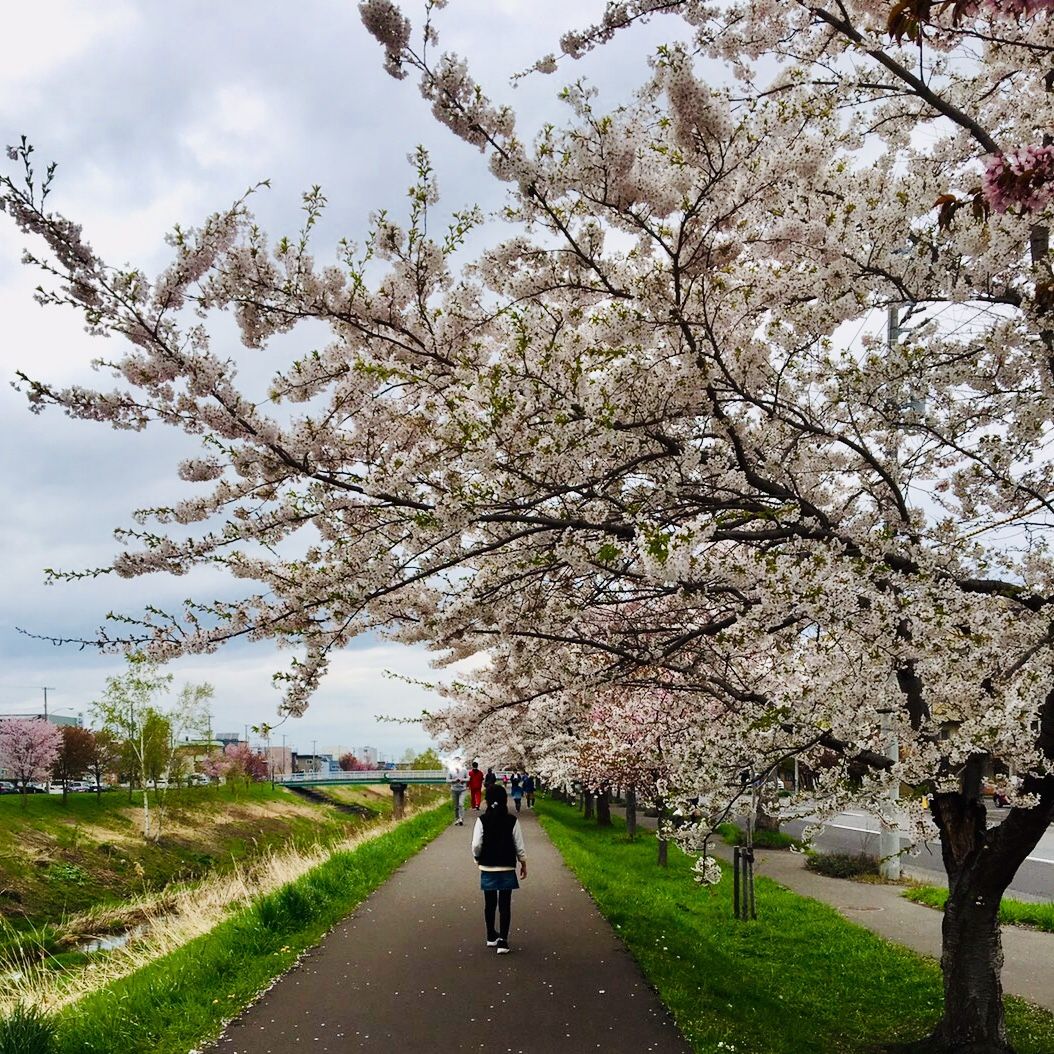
[(239, 125), (42, 39)]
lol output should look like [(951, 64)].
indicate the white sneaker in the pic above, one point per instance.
[(503, 947), (492, 944)]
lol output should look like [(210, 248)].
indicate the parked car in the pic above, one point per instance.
[(7, 787)]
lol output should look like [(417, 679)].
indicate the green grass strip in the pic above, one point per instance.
[(1039, 915), (182, 1000), (732, 834), (799, 980)]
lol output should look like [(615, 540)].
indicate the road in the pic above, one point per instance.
[(857, 832)]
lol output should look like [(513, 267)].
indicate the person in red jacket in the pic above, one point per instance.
[(475, 784)]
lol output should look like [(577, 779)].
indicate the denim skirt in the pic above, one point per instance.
[(495, 880)]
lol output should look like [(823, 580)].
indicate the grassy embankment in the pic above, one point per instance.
[(799, 980), (1039, 916), (84, 867), (181, 1001)]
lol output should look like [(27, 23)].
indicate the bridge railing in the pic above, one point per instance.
[(367, 776)]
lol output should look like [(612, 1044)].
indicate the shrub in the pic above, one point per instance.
[(841, 865), (27, 1031)]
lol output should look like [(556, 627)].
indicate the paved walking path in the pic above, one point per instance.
[(409, 971), (1028, 967)]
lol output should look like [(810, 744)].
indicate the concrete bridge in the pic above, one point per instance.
[(397, 779)]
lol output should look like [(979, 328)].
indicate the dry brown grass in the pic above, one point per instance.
[(169, 920)]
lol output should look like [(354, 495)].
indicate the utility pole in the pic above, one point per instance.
[(893, 325), (889, 837), (46, 690)]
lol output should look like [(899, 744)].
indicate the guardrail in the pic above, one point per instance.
[(368, 776)]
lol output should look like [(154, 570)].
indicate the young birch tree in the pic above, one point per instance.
[(131, 709)]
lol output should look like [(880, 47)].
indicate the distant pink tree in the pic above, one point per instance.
[(237, 759), (28, 749), (216, 766)]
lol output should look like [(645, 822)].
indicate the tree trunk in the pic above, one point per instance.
[(764, 820), (980, 865), (971, 959), (631, 813), (604, 808), (664, 848), (587, 801)]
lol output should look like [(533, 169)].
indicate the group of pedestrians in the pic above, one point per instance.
[(497, 842), (520, 787)]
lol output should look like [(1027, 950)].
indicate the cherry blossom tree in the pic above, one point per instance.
[(667, 396), (627, 743), (28, 749), (238, 761), (216, 765), (245, 762)]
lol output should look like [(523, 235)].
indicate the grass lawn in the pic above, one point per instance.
[(1039, 916), (181, 1001), (799, 980), (732, 834)]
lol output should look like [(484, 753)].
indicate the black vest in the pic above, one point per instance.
[(499, 849)]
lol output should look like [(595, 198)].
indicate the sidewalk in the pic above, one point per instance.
[(1028, 968), (409, 970)]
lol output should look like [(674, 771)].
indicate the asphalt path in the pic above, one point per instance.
[(410, 970), (857, 832)]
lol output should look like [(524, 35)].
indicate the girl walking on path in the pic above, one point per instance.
[(516, 790), (497, 845)]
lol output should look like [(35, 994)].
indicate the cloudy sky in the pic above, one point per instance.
[(159, 114)]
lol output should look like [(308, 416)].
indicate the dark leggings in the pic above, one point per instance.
[(499, 900)]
